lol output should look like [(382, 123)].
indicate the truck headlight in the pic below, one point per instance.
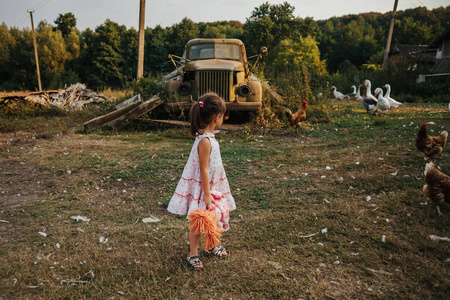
[(184, 89), (243, 90)]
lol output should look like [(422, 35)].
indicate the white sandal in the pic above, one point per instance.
[(219, 252), (195, 264)]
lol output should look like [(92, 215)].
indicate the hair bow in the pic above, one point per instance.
[(201, 103)]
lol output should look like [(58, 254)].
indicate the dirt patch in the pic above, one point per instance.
[(21, 185)]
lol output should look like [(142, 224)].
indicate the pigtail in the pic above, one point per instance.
[(195, 119), (204, 110)]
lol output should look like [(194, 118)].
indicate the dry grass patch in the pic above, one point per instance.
[(312, 212)]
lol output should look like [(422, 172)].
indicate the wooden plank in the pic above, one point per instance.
[(178, 106), (128, 102), (173, 122), (101, 120), (232, 127), (227, 127), (134, 113), (171, 75)]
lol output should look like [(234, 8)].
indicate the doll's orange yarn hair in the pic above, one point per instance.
[(205, 222)]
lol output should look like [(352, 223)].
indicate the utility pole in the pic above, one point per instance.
[(35, 51), (140, 67), (391, 29)]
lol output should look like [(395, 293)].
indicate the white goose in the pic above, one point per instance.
[(356, 94), (369, 88), (369, 104), (394, 103), (383, 104), (337, 95)]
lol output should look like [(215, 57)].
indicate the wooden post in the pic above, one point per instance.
[(391, 29), (35, 51), (140, 67)]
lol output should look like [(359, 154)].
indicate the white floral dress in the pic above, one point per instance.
[(188, 195)]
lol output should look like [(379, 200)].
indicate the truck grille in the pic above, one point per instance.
[(218, 82)]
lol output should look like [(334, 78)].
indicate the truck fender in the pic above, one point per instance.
[(256, 91), (174, 86)]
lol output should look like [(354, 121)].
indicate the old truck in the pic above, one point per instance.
[(219, 66)]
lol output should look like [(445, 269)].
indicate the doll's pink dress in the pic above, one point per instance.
[(188, 195)]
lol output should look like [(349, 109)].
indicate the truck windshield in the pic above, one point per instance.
[(206, 51)]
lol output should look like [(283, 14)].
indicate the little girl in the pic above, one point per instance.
[(203, 174)]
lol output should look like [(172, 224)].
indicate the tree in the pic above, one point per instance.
[(156, 55), (65, 23), (128, 48), (411, 32), (179, 34), (22, 64), (214, 32), (354, 42), (53, 55), (107, 58), (72, 41), (271, 23), (268, 25), (296, 56), (87, 48), (6, 44)]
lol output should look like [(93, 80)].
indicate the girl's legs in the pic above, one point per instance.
[(193, 243)]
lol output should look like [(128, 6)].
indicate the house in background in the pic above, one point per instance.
[(441, 67), (442, 47), (413, 57)]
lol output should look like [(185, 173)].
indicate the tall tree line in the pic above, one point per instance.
[(107, 56)]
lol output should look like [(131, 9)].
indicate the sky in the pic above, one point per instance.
[(92, 13)]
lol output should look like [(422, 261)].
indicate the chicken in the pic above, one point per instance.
[(296, 118), (430, 145), (437, 186)]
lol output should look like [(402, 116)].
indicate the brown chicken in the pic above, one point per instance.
[(296, 118), (437, 186), (430, 145)]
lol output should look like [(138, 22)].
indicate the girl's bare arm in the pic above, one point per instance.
[(204, 149)]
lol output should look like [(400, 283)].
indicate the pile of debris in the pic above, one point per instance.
[(75, 97)]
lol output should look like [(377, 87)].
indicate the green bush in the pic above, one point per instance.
[(146, 86)]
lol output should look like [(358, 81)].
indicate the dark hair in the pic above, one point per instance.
[(202, 114)]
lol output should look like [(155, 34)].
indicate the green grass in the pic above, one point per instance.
[(287, 186)]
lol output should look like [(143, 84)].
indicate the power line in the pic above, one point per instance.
[(37, 6), (20, 25), (42, 5), (415, 6), (34, 7), (421, 3), (24, 14)]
